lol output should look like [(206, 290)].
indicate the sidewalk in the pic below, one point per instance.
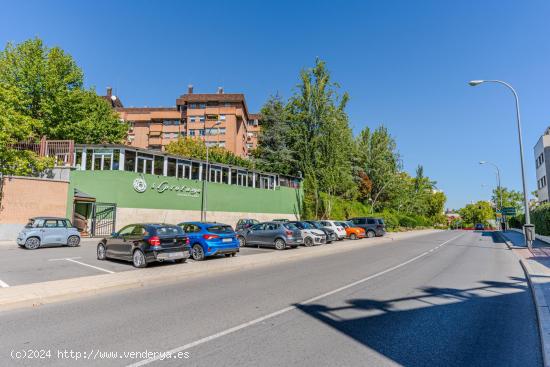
[(536, 264)]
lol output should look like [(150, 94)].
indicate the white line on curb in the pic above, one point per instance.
[(4, 284), (286, 309), (91, 266), (65, 258)]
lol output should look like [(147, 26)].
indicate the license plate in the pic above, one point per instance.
[(175, 254), (227, 240)]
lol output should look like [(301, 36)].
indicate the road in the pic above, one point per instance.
[(444, 299), (21, 266)]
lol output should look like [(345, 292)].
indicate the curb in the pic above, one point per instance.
[(37, 294), (508, 242), (543, 313)]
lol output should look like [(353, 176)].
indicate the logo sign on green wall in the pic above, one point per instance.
[(140, 186)]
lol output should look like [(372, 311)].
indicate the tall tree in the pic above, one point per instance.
[(273, 153), (47, 86), (321, 138)]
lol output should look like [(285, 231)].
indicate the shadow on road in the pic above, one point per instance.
[(481, 326)]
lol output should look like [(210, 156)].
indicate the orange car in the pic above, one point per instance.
[(352, 232)]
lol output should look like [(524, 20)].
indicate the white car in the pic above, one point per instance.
[(312, 236), (336, 227)]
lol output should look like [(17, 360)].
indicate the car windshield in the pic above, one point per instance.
[(30, 224), (348, 224), (306, 225), (220, 229), (290, 226), (168, 231), (381, 221), (315, 225)]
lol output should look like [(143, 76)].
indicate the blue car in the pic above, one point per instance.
[(210, 238)]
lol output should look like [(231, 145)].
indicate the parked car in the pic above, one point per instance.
[(329, 232), (353, 232), (336, 227), (41, 231), (145, 243), (312, 235), (210, 239), (274, 234), (245, 223), (284, 220), (479, 227), (372, 226)]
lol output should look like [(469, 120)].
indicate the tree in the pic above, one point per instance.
[(321, 138), (378, 158), (479, 212), (510, 198), (273, 153), (46, 85), (196, 148)]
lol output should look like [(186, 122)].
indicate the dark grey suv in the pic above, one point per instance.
[(372, 226), (274, 234)]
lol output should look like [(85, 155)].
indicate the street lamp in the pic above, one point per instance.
[(498, 181), (205, 182), (527, 225)]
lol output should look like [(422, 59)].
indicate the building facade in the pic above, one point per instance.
[(220, 119), (542, 152)]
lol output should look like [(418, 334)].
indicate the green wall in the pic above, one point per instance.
[(117, 187)]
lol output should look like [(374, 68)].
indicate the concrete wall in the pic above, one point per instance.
[(136, 215), (26, 197)]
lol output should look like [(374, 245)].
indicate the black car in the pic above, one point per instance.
[(330, 233), (372, 226), (479, 227), (144, 243)]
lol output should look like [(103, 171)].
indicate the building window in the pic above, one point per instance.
[(192, 105), (201, 118), (201, 132), (170, 122), (202, 105), (191, 118), (222, 117), (191, 132)]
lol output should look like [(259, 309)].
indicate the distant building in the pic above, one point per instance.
[(542, 151), (194, 116)]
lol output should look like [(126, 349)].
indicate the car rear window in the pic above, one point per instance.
[(220, 229), (290, 226), (168, 231)]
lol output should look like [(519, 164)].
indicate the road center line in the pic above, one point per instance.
[(4, 284), (286, 309), (91, 266)]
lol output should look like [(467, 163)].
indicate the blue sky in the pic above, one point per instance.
[(405, 64)]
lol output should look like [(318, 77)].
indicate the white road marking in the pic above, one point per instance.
[(65, 258), (72, 259), (286, 309), (4, 284)]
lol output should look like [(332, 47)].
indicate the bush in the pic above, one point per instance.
[(540, 217)]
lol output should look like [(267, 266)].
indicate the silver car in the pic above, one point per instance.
[(274, 234), (48, 231)]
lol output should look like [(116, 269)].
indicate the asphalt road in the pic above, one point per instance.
[(21, 266), (433, 300)]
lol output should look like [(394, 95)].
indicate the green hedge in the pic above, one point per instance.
[(540, 217)]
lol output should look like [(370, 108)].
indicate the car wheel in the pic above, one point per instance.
[(197, 253), (371, 234), (280, 244), (101, 252), (32, 243), (242, 241), (73, 241), (308, 242), (138, 259), (353, 236)]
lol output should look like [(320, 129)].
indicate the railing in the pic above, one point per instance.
[(61, 150)]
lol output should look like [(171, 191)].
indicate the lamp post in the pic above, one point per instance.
[(527, 227), (498, 183), (205, 182)]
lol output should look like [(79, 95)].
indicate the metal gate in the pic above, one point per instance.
[(103, 219)]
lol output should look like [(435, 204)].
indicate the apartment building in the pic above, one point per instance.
[(542, 152), (220, 119)]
